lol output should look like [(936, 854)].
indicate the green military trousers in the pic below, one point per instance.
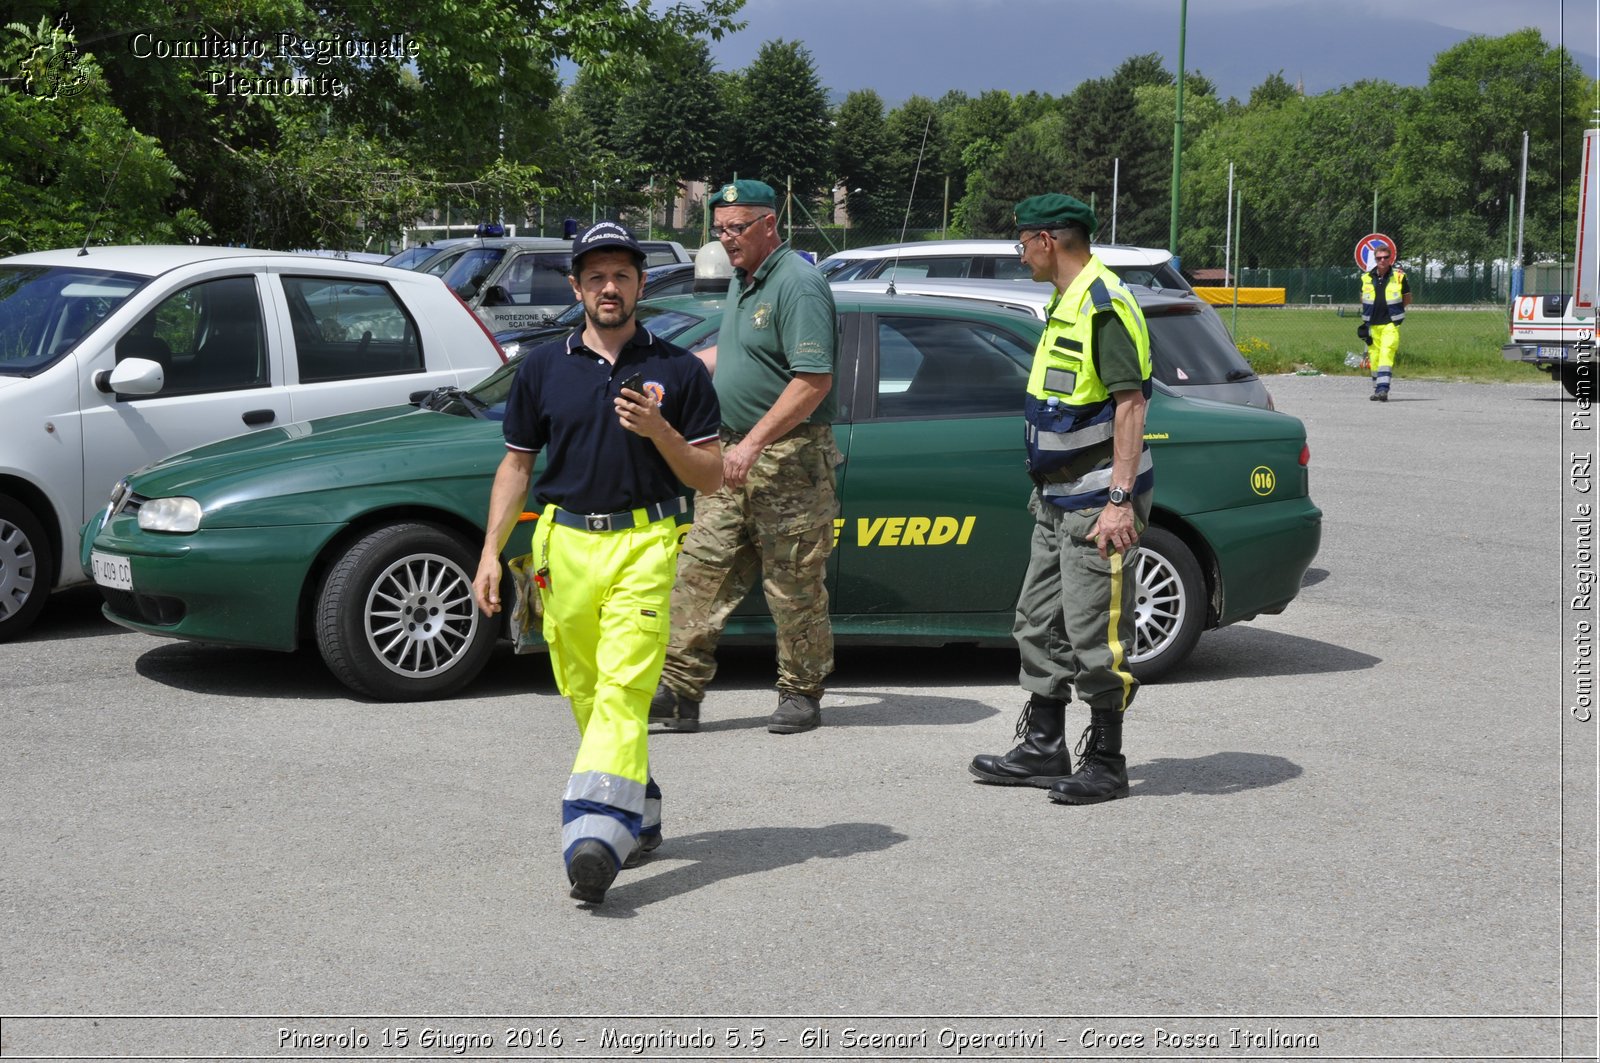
[(1074, 624), (778, 523)]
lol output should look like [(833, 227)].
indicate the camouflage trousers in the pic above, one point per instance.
[(778, 524)]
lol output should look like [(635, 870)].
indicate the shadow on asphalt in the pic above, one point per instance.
[(714, 856), (1216, 774), (1245, 652), (1313, 577)]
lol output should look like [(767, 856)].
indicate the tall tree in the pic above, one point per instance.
[(782, 125), (861, 163), (671, 122), (1458, 155), (916, 151), (1109, 140)]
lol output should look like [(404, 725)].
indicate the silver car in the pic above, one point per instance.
[(1190, 349)]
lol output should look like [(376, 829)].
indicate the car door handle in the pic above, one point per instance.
[(255, 417)]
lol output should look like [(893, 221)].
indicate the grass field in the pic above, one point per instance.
[(1434, 344)]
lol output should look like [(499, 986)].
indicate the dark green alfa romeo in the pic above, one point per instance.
[(362, 531)]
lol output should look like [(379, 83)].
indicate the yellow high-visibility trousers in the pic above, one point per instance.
[(606, 623), (1382, 348)]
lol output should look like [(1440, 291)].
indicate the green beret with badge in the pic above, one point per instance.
[(1054, 211), (745, 193)]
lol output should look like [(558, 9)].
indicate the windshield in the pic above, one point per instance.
[(45, 311), (492, 392), (467, 274)]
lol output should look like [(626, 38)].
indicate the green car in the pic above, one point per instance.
[(362, 531)]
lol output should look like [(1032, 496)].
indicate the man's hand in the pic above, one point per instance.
[(639, 415), (486, 586), (1115, 530), (737, 461)]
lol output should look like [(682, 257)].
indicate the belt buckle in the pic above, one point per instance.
[(598, 522)]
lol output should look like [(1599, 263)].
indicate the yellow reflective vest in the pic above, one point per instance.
[(1393, 295), (1068, 410)]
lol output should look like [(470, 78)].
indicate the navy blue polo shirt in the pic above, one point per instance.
[(561, 403)]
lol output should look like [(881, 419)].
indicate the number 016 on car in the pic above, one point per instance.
[(112, 571)]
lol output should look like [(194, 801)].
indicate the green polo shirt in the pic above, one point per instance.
[(777, 322)]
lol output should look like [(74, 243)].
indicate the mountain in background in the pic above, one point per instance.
[(901, 48)]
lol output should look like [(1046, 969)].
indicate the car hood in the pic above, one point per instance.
[(329, 454)]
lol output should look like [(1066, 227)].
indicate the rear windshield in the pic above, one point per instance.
[(1190, 346), (45, 311)]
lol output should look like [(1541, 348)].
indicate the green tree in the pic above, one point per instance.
[(916, 152), (458, 91), (782, 122), (71, 168), (1104, 123), (1030, 162), (670, 123), (1458, 155), (861, 163)]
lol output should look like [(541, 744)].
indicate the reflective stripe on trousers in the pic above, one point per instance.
[(606, 621)]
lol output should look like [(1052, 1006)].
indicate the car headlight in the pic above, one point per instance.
[(170, 515), (510, 349)]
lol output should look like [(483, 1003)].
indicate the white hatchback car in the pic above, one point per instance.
[(118, 356)]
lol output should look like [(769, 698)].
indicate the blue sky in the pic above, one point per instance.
[(904, 47)]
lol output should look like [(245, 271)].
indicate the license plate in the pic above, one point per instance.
[(112, 571), (1554, 353)]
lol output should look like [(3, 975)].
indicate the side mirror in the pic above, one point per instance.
[(132, 376), (496, 296)]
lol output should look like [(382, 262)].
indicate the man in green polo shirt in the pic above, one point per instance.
[(775, 361)]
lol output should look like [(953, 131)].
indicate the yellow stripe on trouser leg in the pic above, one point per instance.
[(1114, 627), (606, 624)]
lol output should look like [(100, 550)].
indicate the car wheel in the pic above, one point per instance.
[(26, 568), (1170, 607), (395, 618), (1574, 382)]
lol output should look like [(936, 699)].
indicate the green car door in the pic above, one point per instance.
[(934, 490)]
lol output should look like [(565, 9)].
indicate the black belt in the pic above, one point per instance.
[(628, 518)]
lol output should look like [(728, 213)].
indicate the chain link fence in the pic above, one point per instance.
[(1288, 318)]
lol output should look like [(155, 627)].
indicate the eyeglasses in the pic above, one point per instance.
[(1021, 247), (735, 230)]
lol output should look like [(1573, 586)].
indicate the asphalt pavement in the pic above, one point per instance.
[(1364, 827)]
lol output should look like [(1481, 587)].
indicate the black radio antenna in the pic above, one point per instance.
[(84, 249), (910, 198)]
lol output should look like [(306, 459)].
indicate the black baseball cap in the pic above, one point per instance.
[(602, 234)]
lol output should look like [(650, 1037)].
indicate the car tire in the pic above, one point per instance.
[(27, 568), (395, 618), (1170, 609), (1574, 382)]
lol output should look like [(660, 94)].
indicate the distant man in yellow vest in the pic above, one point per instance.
[(1093, 478), (1385, 294)]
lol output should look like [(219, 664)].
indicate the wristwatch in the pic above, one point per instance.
[(1118, 497)]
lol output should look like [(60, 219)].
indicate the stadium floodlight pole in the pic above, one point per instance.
[(1177, 139)]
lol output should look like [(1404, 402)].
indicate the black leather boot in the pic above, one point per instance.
[(673, 711), (1041, 759), (1102, 773)]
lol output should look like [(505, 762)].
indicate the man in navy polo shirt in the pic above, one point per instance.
[(628, 424)]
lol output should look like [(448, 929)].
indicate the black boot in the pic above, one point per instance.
[(1041, 759), (673, 711), (1102, 773)]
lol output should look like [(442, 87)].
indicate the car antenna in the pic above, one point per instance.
[(84, 250), (910, 198)]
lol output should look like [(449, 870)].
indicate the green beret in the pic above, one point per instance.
[(745, 194), (1054, 211)]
